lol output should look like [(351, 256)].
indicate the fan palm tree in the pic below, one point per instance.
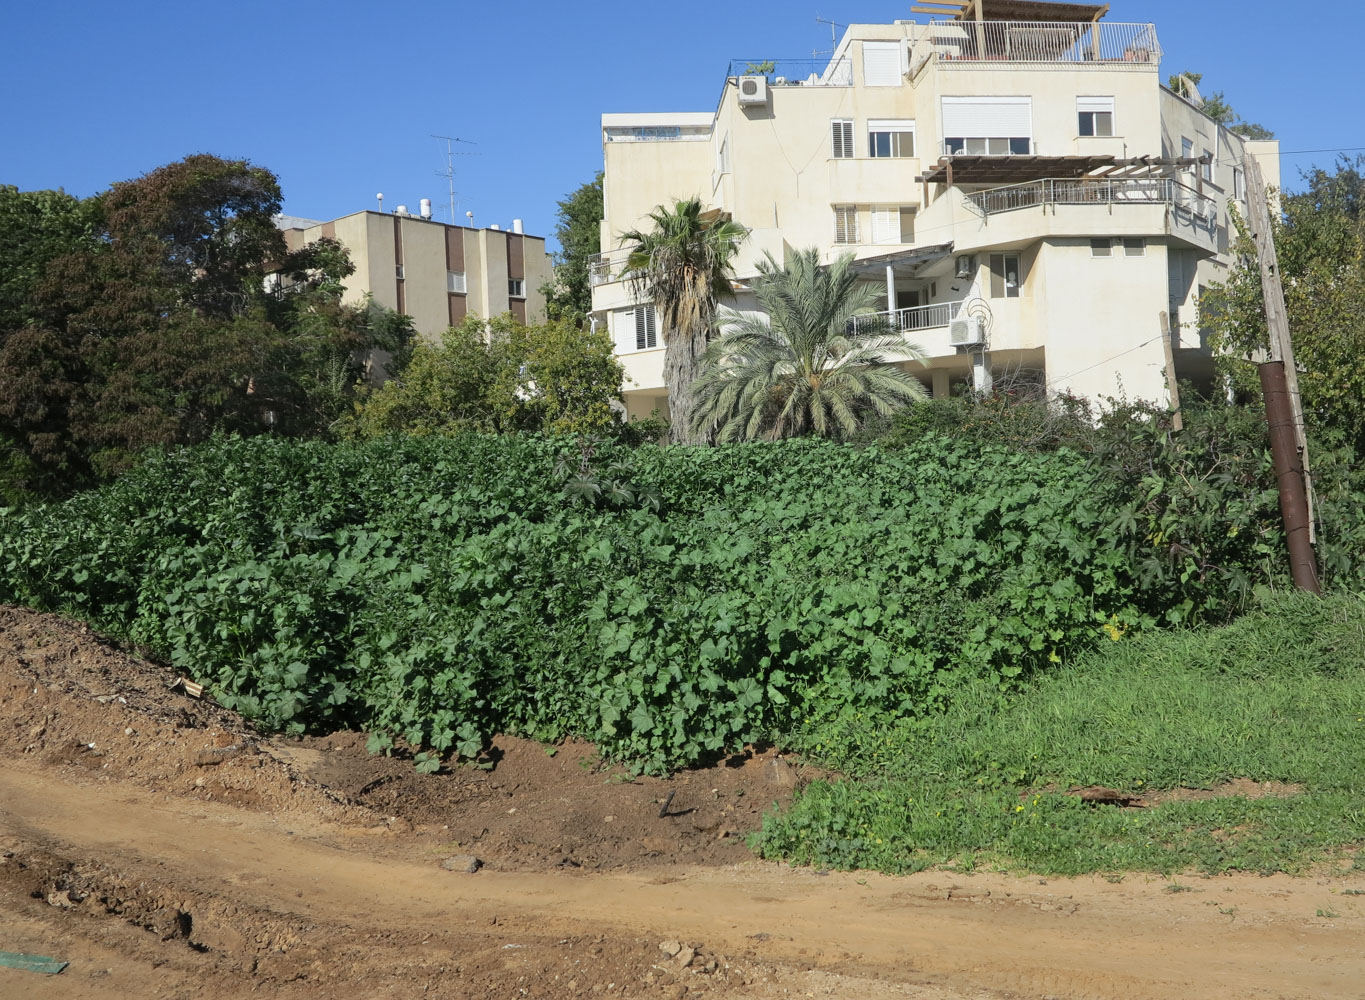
[(805, 367), (684, 264)]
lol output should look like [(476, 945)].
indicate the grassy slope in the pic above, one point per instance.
[(1278, 695)]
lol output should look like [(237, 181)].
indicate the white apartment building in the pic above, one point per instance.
[(1017, 180)]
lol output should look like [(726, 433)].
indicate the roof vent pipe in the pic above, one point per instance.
[(425, 208), (516, 226)]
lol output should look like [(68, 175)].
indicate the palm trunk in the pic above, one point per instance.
[(689, 331)]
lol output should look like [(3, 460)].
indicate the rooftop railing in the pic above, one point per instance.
[(1091, 191), (1107, 42), (604, 268), (797, 72)]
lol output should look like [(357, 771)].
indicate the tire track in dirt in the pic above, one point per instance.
[(1065, 938)]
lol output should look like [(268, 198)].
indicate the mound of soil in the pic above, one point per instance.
[(76, 700)]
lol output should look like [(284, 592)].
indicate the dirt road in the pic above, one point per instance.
[(289, 890)]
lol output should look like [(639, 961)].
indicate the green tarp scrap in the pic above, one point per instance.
[(32, 963)]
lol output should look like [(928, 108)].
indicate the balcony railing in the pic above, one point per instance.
[(1091, 191), (914, 318), (797, 72), (604, 268), (1045, 42)]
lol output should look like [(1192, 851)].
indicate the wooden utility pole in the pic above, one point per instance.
[(1177, 420), (1284, 404)]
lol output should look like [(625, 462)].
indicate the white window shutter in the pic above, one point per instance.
[(842, 138), (882, 64), (1084, 104), (986, 117), (886, 225)]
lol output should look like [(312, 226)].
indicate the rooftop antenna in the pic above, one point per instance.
[(834, 27), (449, 172)]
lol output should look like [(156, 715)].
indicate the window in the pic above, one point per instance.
[(1239, 184), (1096, 116), (933, 289), (723, 156), (894, 224), (988, 126), (516, 288), (455, 282), (1005, 276), (1102, 248), (846, 224), (646, 335), (1187, 148), (1208, 165), (882, 64), (398, 271), (890, 138), (842, 136), (1135, 248)]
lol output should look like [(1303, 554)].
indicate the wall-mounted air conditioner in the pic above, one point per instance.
[(966, 266), (965, 332), (753, 91)]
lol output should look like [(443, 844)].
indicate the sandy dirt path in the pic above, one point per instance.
[(307, 906)]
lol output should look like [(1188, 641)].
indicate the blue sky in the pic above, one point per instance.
[(339, 98)]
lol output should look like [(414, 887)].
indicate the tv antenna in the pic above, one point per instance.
[(449, 172), (834, 27)]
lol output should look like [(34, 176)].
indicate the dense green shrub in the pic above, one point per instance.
[(441, 589)]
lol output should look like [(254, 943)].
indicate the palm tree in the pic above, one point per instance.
[(805, 367), (684, 265)]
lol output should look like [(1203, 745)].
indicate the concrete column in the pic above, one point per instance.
[(981, 372), (940, 377), (891, 291)]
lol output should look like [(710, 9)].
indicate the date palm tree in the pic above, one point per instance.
[(805, 367), (684, 265)]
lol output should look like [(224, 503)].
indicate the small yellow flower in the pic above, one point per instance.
[(1018, 809)]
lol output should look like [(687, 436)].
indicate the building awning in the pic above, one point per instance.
[(981, 169), (908, 262), (1013, 10)]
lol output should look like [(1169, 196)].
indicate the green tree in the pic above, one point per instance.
[(498, 377), (1216, 106), (1320, 242), (143, 320), (806, 367), (684, 264), (568, 296)]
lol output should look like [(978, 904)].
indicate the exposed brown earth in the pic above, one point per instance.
[(166, 850)]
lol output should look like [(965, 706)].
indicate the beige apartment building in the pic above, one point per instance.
[(436, 273), (1013, 176)]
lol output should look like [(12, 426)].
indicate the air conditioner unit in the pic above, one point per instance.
[(966, 266), (753, 91), (965, 332)]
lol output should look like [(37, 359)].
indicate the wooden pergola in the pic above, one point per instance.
[(1001, 170), (1013, 10)]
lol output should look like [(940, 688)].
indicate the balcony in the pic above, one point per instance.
[(604, 268), (1113, 44), (796, 72), (937, 314), (1091, 191)]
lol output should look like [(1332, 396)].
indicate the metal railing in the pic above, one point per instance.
[(1045, 42), (604, 268), (914, 318), (796, 72), (1091, 191)]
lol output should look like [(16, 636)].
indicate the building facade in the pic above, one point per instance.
[(436, 273), (1026, 193)]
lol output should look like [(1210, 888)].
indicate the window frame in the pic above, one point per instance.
[(646, 327), (1101, 248), (1095, 109), (843, 215), (841, 139), (892, 129), (1134, 246), (999, 275), (516, 288), (462, 282)]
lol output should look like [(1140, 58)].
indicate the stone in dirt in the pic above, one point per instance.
[(685, 957), (781, 774), (670, 948), (462, 863)]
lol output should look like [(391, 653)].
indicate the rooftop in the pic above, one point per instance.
[(1013, 10)]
